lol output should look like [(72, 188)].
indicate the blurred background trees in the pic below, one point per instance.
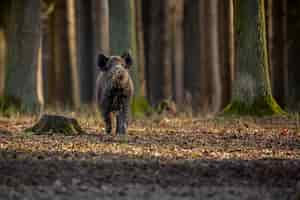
[(184, 50)]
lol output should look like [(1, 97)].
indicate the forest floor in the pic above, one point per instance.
[(160, 158)]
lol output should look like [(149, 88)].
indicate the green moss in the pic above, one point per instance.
[(166, 105), (140, 107), (9, 105), (261, 106)]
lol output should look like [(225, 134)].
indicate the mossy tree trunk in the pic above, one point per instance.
[(24, 42), (251, 88)]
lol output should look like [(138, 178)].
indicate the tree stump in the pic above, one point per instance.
[(56, 124)]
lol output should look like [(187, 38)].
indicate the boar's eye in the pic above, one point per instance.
[(102, 62), (128, 60)]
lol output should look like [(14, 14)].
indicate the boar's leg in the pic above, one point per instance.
[(107, 116), (122, 119)]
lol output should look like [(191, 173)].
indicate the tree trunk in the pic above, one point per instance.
[(285, 52), (123, 33), (48, 67), (205, 55), (100, 17), (24, 41), (62, 61), (209, 53), (177, 50), (293, 69), (214, 56), (85, 53), (251, 89), (146, 17), (276, 48), (102, 21), (140, 47), (3, 42), (39, 77), (2, 60), (225, 49), (72, 37), (192, 59), (159, 51)]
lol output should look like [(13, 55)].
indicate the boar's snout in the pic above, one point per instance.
[(120, 76)]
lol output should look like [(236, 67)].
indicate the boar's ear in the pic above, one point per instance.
[(102, 61), (128, 59)]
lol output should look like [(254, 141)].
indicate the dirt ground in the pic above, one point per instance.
[(161, 158)]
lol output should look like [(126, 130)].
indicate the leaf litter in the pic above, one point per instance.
[(164, 153)]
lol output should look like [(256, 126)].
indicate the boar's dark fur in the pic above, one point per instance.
[(114, 90)]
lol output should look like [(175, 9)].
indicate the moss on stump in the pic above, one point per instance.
[(261, 106), (140, 107), (56, 124)]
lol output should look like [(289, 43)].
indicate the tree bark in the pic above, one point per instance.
[(3, 41), (285, 52), (2, 60), (62, 61), (214, 56), (123, 33), (276, 48), (205, 55), (146, 18), (72, 37), (251, 89), (177, 50), (39, 78), (231, 39), (225, 49), (292, 75), (192, 55), (159, 51), (100, 17), (210, 85), (24, 41), (140, 47), (56, 124), (102, 22), (48, 67), (86, 40)]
